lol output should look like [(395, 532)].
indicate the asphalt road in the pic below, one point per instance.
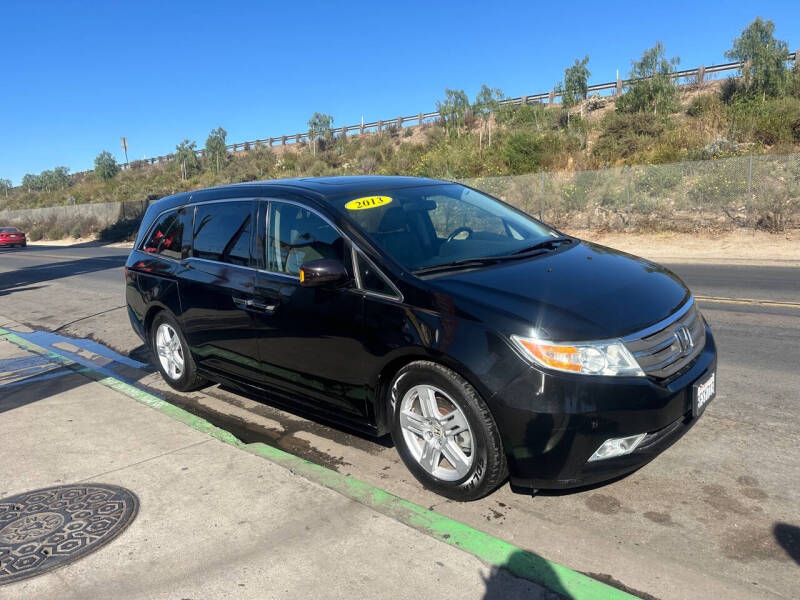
[(717, 515)]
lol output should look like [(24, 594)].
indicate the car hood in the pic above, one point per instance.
[(581, 292)]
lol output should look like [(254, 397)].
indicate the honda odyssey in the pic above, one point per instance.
[(489, 344)]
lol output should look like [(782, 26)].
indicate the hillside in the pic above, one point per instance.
[(709, 121)]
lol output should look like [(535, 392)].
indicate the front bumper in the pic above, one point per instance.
[(552, 423)]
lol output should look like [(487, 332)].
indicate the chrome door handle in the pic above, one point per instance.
[(250, 304), (262, 306)]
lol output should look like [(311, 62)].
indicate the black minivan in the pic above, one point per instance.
[(489, 344)]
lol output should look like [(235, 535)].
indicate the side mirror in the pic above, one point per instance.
[(325, 271)]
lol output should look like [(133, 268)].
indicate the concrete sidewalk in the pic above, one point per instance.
[(214, 521)]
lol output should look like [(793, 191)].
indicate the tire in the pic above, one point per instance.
[(185, 378), (425, 443)]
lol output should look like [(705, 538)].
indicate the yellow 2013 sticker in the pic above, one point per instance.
[(367, 202)]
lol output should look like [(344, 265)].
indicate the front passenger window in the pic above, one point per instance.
[(296, 236)]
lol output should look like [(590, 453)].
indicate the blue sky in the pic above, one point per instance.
[(75, 76)]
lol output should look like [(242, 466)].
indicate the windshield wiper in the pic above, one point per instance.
[(545, 243), (540, 247), (478, 261)]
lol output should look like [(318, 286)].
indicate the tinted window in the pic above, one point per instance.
[(9, 230), (371, 279), (166, 236), (442, 223), (222, 232), (296, 236)]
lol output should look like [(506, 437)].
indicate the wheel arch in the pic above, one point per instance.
[(150, 316), (382, 399)]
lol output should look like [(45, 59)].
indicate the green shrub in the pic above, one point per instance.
[(534, 116), (770, 122), (56, 231), (730, 90), (35, 233), (705, 105), (722, 186), (523, 152), (657, 179), (622, 135), (779, 123)]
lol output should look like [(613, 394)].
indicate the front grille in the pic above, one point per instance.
[(665, 349)]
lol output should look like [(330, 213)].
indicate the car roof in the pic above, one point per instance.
[(319, 188)]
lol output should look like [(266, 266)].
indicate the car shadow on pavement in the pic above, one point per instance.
[(511, 579), (14, 280), (788, 536), (24, 289), (40, 386)]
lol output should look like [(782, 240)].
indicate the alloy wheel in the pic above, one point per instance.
[(436, 432), (170, 351)]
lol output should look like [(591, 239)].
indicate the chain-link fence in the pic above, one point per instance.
[(760, 192)]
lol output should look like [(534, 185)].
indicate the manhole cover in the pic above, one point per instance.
[(46, 529)]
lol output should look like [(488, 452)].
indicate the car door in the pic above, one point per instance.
[(311, 344), (216, 289)]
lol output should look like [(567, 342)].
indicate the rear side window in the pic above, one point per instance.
[(296, 236), (222, 232), (166, 236)]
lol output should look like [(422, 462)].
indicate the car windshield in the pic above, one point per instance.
[(434, 225), (9, 230)]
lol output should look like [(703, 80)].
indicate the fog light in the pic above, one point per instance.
[(617, 447)]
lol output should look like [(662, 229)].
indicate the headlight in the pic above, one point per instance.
[(587, 358)]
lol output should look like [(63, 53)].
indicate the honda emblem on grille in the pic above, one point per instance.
[(684, 338)]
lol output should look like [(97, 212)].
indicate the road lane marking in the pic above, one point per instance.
[(750, 301), (486, 547)]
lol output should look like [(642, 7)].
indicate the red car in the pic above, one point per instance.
[(11, 236)]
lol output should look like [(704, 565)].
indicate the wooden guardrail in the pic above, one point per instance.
[(698, 75)]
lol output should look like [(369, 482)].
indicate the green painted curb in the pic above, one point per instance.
[(488, 548)]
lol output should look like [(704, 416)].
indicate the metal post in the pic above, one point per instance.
[(283, 140), (701, 74), (628, 186), (380, 126), (420, 119), (619, 86), (551, 97), (524, 100), (361, 131), (749, 189), (541, 201)]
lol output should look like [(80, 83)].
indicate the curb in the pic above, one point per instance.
[(490, 549)]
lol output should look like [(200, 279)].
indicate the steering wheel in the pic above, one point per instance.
[(458, 230)]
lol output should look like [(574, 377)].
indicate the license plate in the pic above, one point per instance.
[(703, 392)]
